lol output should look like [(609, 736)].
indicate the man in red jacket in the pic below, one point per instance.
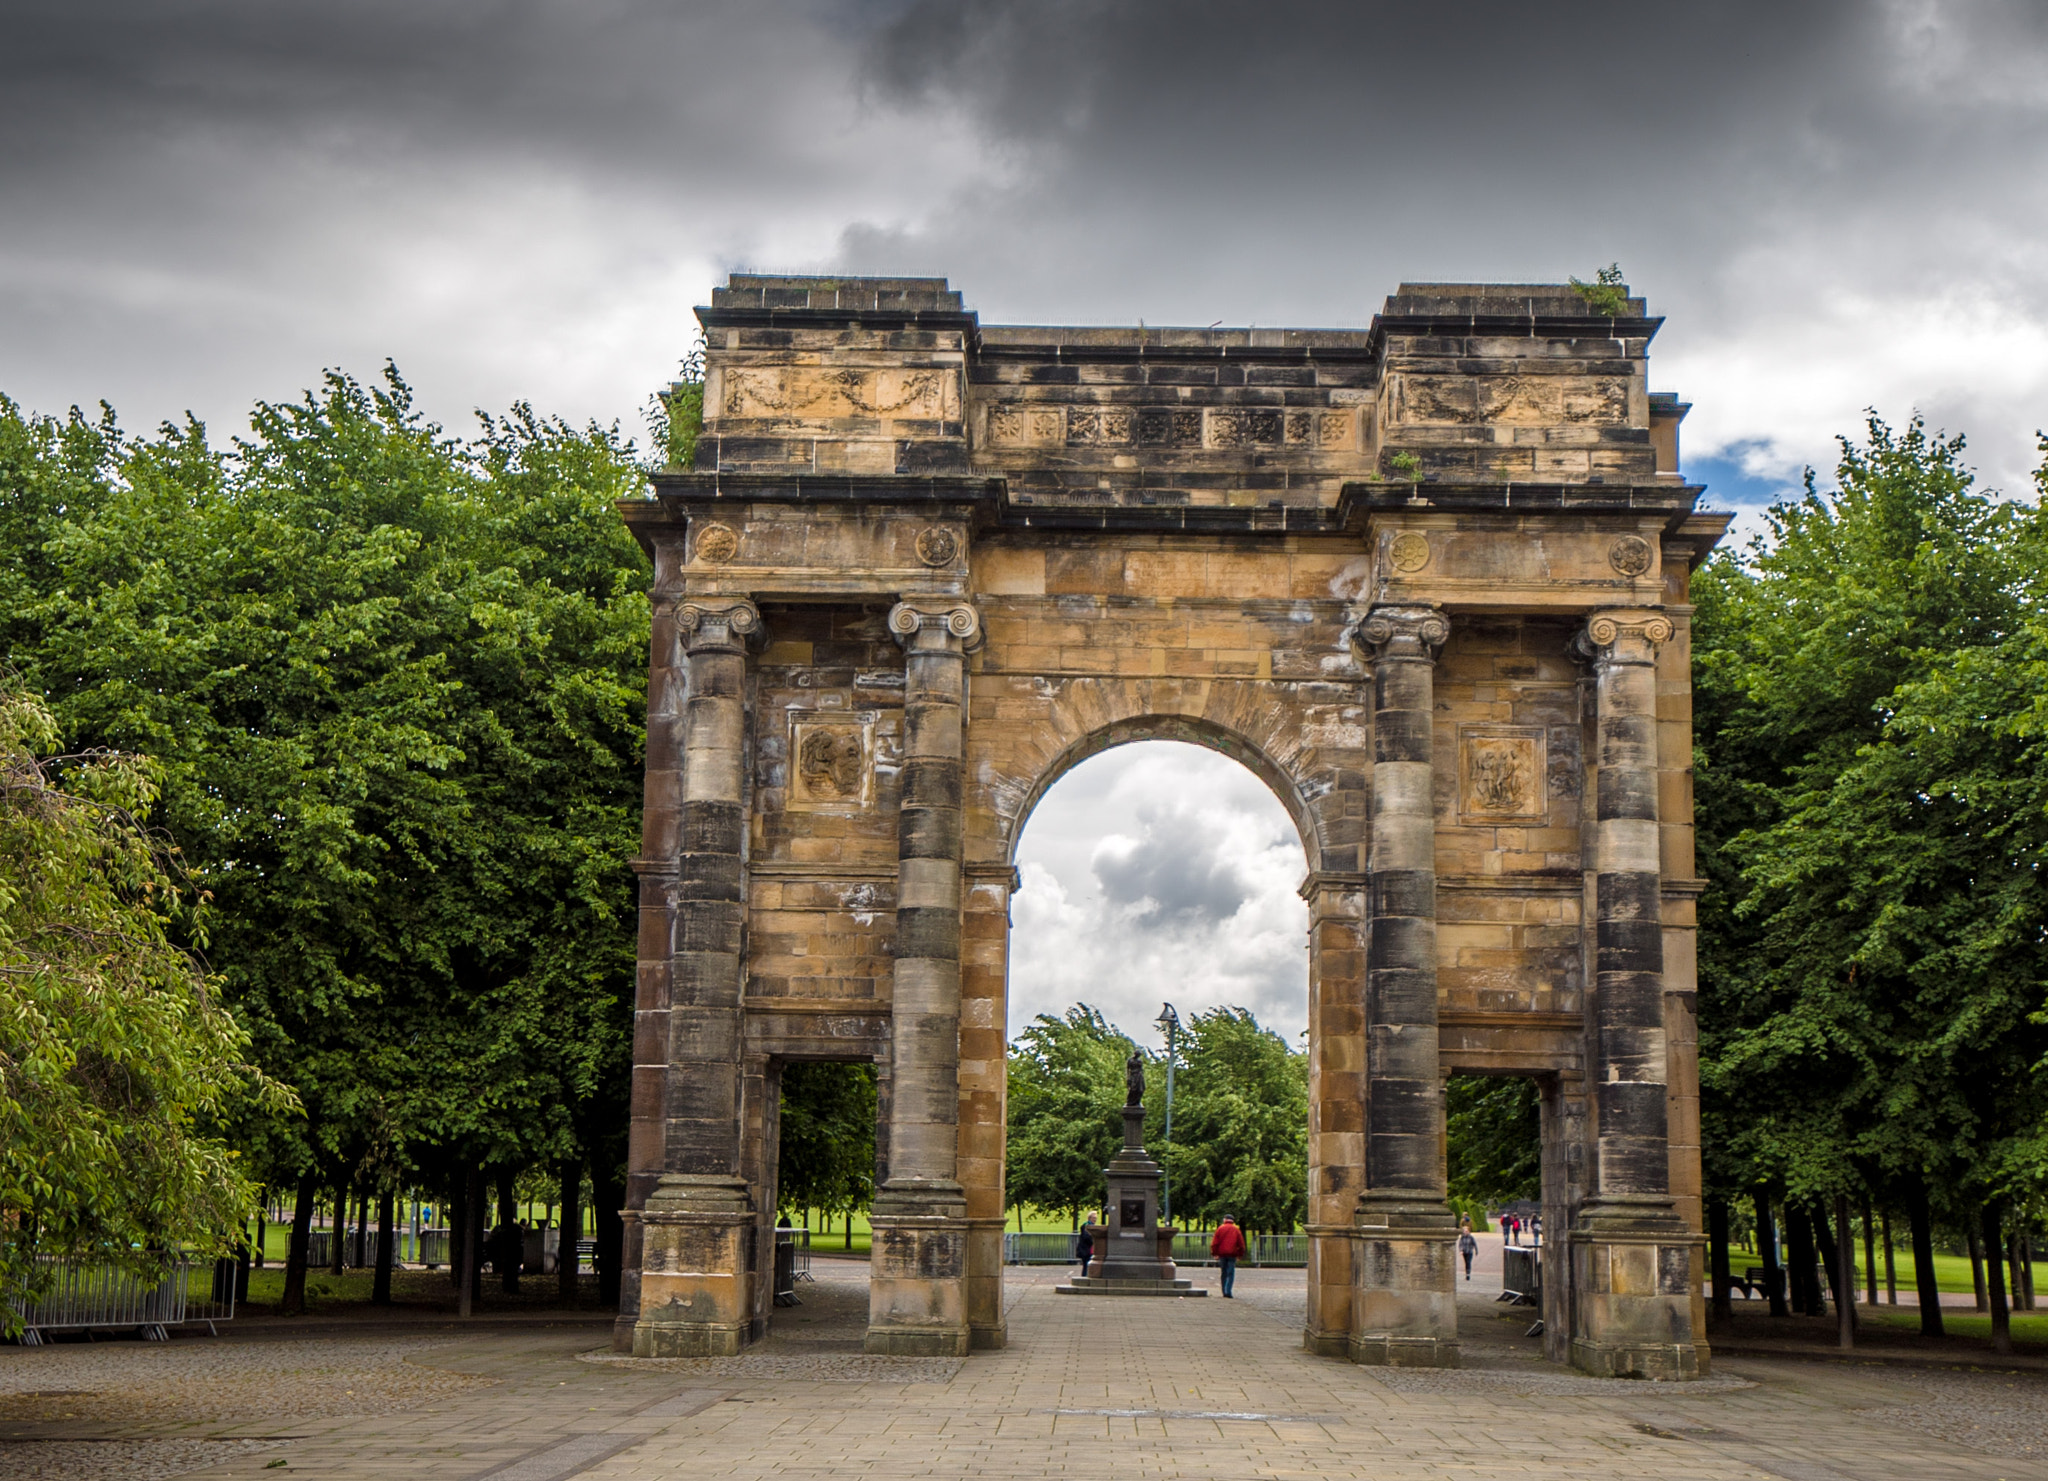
[(1227, 1244)]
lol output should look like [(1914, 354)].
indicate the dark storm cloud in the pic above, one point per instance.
[(1837, 204), (1180, 868)]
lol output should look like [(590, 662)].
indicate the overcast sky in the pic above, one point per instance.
[(1837, 206)]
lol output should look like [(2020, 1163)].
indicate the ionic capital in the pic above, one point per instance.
[(947, 617), (717, 624), (1623, 635), (1401, 632)]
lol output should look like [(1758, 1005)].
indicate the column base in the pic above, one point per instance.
[(917, 1295), (696, 1280), (1327, 1332), (1632, 1261), (986, 1329), (1404, 1309)]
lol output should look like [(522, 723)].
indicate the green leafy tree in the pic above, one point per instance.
[(394, 685), (827, 1142), (117, 1061), (1240, 1124), (1494, 1138), (1066, 1090), (1872, 965)]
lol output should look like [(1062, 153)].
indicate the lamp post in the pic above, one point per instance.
[(1170, 1021)]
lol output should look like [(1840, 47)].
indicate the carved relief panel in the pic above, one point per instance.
[(831, 763), (1502, 774)]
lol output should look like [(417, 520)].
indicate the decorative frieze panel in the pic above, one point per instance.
[(1218, 428)]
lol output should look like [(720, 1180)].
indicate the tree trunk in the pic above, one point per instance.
[(608, 1196), (1994, 1247), (1717, 1250), (361, 1247), (2027, 1263), (1923, 1262), (571, 1229), (387, 1236), (509, 1249), (472, 1240), (1845, 1283), (1767, 1245), (1976, 1247), (295, 1251), (458, 1229), (1799, 1250), (338, 1231), (1891, 1268), (1869, 1255), (261, 1232), (2016, 1283)]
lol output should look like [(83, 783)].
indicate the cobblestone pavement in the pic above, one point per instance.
[(1153, 1389)]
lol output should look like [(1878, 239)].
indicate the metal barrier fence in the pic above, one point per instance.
[(82, 1294), (1283, 1251), (429, 1247), (1521, 1274)]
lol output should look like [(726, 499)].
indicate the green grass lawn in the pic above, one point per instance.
[(2027, 1326), (1951, 1272)]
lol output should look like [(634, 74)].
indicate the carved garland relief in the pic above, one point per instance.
[(798, 391)]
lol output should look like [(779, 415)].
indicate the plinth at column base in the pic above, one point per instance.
[(1094, 1285), (1632, 1260), (1404, 1309), (1326, 1344), (1665, 1363), (695, 1284), (1378, 1350), (917, 1293)]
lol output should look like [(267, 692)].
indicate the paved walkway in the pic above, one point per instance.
[(1150, 1389)]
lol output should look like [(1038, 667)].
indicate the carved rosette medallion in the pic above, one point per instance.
[(937, 546), (1408, 551), (716, 544), (957, 619), (1630, 555)]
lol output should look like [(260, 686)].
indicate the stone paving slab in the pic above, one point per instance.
[(1128, 1389)]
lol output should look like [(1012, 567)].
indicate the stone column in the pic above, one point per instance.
[(1631, 1253), (1405, 1308), (984, 1068), (696, 1267), (918, 1294), (1336, 1101)]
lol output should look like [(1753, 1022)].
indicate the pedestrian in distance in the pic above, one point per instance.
[(1228, 1245), (1467, 1246), (1084, 1244)]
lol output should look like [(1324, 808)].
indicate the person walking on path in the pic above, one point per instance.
[(1467, 1246), (1084, 1244), (1228, 1246)]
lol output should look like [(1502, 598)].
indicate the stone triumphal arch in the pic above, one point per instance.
[(1428, 579)]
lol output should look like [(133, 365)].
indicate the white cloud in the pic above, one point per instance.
[(1160, 872)]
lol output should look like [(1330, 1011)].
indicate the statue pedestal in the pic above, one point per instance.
[(1134, 1251)]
